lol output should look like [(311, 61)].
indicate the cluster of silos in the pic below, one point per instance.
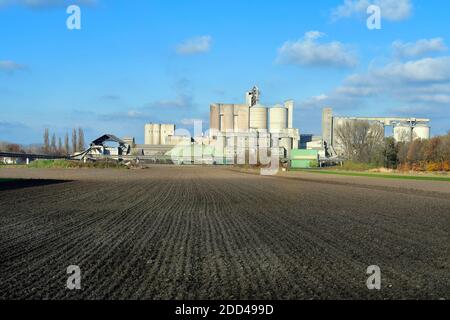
[(229, 118), (240, 118), (406, 132), (237, 118), (158, 134)]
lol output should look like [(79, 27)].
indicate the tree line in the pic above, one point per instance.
[(52, 145), (419, 155), (55, 146), (364, 142)]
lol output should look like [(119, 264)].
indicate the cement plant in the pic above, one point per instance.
[(223, 159), (242, 133)]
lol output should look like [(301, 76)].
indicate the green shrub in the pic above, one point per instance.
[(314, 164)]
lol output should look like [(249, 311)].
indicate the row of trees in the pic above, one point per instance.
[(419, 155), (364, 142), (55, 146)]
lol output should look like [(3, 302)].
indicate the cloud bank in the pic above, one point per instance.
[(419, 48), (308, 51)]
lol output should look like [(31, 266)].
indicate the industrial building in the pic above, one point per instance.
[(404, 129), (238, 124), (238, 134)]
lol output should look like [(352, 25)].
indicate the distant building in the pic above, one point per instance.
[(405, 129)]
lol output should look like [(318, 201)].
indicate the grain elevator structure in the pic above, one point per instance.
[(237, 125)]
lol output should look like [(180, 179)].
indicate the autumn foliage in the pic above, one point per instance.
[(425, 155)]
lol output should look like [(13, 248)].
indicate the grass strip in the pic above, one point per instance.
[(379, 175)]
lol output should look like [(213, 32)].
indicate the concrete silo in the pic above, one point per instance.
[(149, 134), (258, 117), (156, 134), (278, 119), (242, 118), (402, 132), (214, 119), (421, 131), (227, 118)]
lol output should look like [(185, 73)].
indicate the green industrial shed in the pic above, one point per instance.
[(302, 159)]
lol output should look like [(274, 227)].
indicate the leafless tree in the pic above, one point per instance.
[(60, 147), (66, 144), (74, 141), (81, 143), (53, 144), (361, 141), (46, 141)]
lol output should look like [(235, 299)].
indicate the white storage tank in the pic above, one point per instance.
[(402, 132), (422, 132), (278, 118), (258, 117)]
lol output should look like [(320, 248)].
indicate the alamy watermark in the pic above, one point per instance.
[(374, 280), (73, 22), (74, 280), (374, 19), (254, 147)]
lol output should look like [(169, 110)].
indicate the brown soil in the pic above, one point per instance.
[(213, 233)]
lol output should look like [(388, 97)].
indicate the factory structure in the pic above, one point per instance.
[(238, 134), (404, 130), (244, 133), (252, 126)]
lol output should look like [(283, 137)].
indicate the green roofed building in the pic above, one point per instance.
[(302, 159)]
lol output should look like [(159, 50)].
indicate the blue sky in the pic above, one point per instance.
[(166, 61)]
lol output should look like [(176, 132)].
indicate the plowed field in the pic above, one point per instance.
[(215, 233)]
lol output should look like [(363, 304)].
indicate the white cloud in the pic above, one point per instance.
[(11, 66), (393, 10), (313, 102), (418, 48), (195, 45), (422, 84), (424, 70), (309, 52)]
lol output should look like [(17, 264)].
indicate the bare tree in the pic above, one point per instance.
[(361, 141), (81, 143), (66, 144), (53, 144), (46, 141), (74, 141), (60, 147)]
